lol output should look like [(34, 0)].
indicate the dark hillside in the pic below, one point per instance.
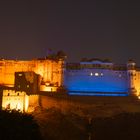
[(56, 125), (18, 126)]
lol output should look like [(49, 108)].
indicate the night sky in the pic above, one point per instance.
[(81, 28)]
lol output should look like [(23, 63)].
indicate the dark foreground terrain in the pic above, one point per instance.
[(53, 124), (18, 126)]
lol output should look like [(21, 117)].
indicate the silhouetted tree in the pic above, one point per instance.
[(18, 126)]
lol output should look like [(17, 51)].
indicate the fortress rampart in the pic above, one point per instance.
[(22, 81), (98, 76), (50, 71)]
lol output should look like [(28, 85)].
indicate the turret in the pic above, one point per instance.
[(131, 75), (61, 57)]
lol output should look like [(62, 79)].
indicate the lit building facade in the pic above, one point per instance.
[(13, 100), (50, 72), (19, 100), (21, 81), (102, 77)]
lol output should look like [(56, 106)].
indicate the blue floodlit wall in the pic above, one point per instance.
[(91, 81)]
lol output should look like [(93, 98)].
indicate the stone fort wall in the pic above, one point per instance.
[(96, 80), (90, 105), (49, 70)]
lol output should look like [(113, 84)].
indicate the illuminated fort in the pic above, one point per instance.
[(49, 72), (22, 81), (102, 77)]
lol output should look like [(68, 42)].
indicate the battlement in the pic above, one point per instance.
[(22, 79)]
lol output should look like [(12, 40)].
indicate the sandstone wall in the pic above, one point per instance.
[(94, 106)]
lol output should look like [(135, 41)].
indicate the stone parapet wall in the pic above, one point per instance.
[(95, 106)]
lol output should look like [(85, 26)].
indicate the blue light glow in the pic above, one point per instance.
[(98, 94), (82, 82)]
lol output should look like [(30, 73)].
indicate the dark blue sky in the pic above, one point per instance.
[(82, 28)]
